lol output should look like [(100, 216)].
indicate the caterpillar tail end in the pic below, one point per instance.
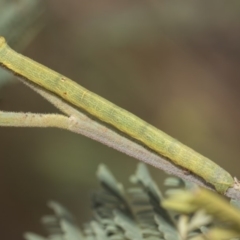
[(222, 188)]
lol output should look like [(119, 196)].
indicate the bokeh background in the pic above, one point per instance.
[(174, 64)]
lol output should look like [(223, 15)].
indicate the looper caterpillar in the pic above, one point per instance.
[(117, 117)]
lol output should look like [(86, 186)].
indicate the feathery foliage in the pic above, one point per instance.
[(137, 213)]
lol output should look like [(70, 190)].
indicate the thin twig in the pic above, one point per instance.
[(22, 119), (82, 124)]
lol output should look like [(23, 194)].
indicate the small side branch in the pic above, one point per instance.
[(19, 119)]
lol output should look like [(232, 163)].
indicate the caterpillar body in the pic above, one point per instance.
[(107, 112)]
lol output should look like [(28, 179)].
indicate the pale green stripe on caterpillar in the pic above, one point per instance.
[(119, 118)]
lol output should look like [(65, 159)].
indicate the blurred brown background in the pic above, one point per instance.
[(176, 65)]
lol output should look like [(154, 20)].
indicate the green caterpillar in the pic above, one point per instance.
[(119, 118)]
